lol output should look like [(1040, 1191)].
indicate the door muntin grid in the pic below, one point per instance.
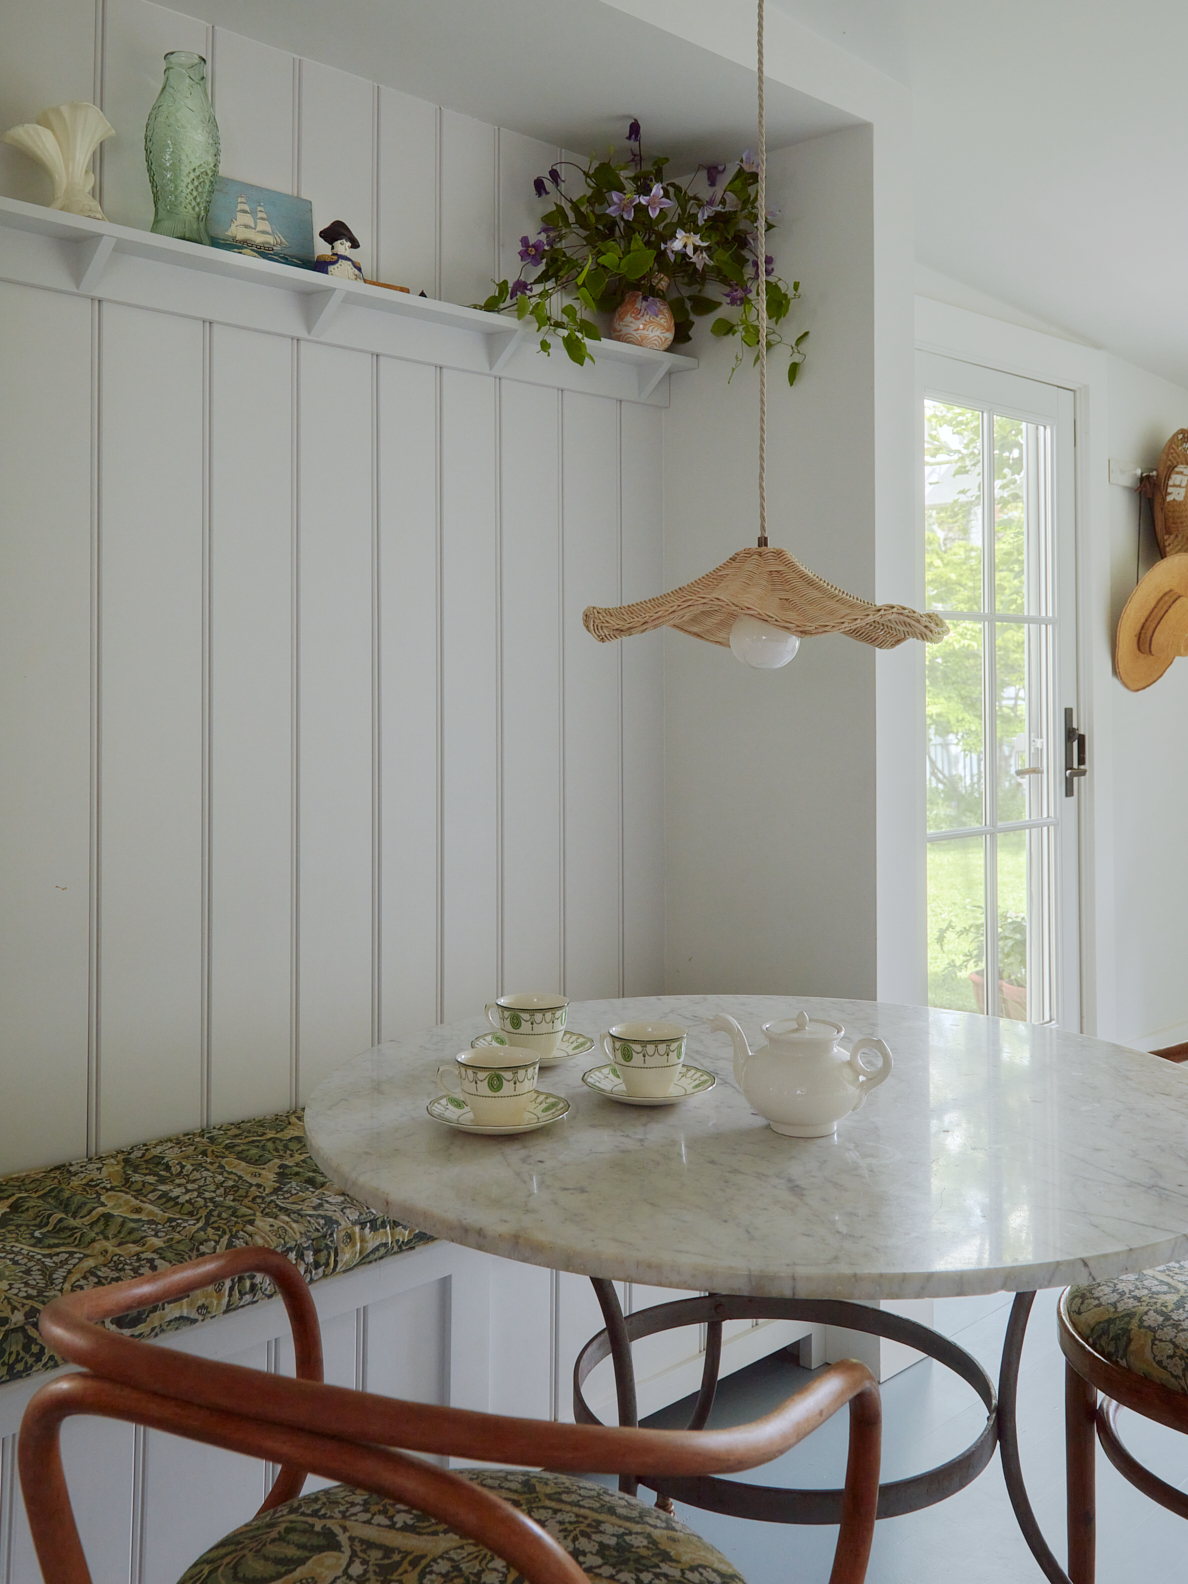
[(993, 765)]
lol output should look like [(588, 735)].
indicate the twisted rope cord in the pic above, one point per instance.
[(761, 265)]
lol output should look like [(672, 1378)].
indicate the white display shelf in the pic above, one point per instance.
[(66, 252)]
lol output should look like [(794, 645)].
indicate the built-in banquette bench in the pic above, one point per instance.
[(400, 1311)]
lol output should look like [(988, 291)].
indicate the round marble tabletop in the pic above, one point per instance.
[(997, 1156)]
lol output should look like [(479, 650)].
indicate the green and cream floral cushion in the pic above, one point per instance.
[(342, 1534), (1139, 1322), (136, 1210)]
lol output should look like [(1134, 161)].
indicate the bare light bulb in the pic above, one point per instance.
[(757, 644)]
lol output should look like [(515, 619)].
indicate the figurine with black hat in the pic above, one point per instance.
[(338, 261)]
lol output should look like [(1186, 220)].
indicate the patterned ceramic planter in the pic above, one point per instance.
[(633, 323)]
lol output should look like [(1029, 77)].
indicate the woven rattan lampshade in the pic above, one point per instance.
[(764, 585), (767, 583)]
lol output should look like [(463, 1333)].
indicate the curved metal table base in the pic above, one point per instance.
[(777, 1505)]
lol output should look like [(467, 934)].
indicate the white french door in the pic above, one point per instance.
[(1000, 559)]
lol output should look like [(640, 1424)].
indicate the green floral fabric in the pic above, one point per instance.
[(1139, 1322), (343, 1534), (136, 1210)]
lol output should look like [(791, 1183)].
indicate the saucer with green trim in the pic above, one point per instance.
[(688, 1082), (542, 1110)]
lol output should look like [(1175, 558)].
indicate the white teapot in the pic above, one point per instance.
[(799, 1080)]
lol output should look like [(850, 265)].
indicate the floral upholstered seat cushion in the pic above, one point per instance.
[(343, 1534), (141, 1209), (1139, 1322)]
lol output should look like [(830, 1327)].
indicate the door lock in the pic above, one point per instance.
[(1074, 754)]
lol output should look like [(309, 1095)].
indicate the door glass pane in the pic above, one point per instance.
[(1013, 894), (1010, 495), (953, 506), (955, 736), (1014, 753), (956, 923)]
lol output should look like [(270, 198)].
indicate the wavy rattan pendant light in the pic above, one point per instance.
[(762, 601)]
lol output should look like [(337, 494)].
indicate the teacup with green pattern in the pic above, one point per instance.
[(535, 1022), (646, 1056), (496, 1084)]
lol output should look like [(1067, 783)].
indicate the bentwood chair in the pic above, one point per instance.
[(1126, 1338), (395, 1516)]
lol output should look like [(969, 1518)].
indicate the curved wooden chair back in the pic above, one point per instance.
[(347, 1436), (1086, 1373)]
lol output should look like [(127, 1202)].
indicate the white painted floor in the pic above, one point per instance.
[(929, 1415)]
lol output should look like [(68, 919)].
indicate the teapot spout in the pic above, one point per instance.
[(726, 1025)]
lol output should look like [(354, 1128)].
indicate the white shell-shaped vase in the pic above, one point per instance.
[(63, 140)]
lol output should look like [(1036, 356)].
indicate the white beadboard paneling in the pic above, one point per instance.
[(408, 192), (176, 1529), (251, 634), (470, 683), (521, 1340), (254, 86), (521, 160), (138, 37), (531, 649), (335, 710), (407, 439), (48, 58), (593, 800), (97, 1458), (578, 1317), (45, 711), (336, 168), (643, 706), (407, 1339), (151, 686), (469, 256)]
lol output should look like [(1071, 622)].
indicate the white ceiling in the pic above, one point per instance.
[(572, 72), (1050, 134)]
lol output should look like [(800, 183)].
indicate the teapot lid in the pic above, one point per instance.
[(803, 1027)]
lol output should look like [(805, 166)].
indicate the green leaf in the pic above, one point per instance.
[(523, 307), (590, 330), (723, 327), (576, 347), (611, 259), (683, 332), (793, 371), (702, 305), (637, 263), (802, 337), (587, 299), (596, 282), (605, 176), (544, 346)]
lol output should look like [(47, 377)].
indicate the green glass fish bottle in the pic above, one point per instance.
[(181, 150)]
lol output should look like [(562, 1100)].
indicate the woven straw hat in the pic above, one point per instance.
[(1153, 628), (772, 586), (1170, 496)]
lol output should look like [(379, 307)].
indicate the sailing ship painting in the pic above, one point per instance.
[(262, 223)]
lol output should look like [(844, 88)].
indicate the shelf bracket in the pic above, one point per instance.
[(649, 378), (90, 261), (501, 346), (323, 305)]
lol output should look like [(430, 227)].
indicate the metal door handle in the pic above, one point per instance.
[(1075, 756)]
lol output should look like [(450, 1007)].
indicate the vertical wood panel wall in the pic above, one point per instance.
[(303, 741)]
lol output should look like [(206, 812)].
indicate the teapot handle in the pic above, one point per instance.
[(868, 1080)]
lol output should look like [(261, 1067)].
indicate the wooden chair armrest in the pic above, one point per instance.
[(69, 1326), (466, 1508)]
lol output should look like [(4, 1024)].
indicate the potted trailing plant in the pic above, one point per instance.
[(620, 238)]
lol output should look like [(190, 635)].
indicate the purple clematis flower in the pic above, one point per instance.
[(656, 201), (714, 174), (531, 252), (518, 288), (633, 132), (651, 306), (737, 295), (554, 176), (622, 205), (541, 187), (748, 161), (705, 211)]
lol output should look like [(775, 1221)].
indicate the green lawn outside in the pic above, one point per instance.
[(956, 899)]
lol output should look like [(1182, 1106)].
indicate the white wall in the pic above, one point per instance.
[(770, 854), (304, 741), (1150, 746)]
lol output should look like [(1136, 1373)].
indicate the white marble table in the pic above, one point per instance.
[(998, 1156)]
